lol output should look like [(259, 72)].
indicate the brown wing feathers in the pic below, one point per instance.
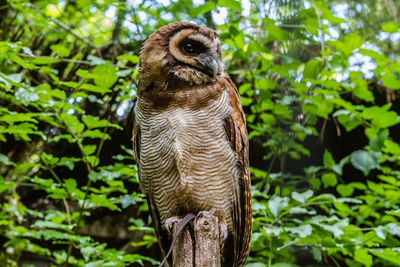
[(235, 128)]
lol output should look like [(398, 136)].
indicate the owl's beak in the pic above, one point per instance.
[(208, 64)]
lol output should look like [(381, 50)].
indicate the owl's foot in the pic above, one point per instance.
[(171, 222), (223, 232)]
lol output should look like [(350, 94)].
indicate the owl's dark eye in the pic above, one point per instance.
[(191, 47)]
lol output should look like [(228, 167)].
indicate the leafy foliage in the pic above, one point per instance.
[(318, 81)]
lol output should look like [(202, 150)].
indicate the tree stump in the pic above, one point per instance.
[(198, 246), (182, 255)]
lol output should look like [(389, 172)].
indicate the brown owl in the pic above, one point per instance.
[(190, 137)]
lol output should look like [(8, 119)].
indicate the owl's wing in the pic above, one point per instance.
[(236, 132), (162, 236)]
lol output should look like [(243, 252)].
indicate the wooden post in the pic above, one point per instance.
[(206, 232), (202, 247), (182, 254)]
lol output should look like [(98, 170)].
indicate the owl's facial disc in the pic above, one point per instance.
[(197, 54), (202, 55)]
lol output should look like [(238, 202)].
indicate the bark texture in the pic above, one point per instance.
[(198, 246)]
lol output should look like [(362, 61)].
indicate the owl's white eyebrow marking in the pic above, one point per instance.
[(206, 41)]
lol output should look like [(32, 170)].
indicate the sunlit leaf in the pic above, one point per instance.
[(106, 76), (390, 27), (204, 8), (363, 161), (233, 4)]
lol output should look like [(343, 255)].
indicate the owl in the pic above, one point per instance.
[(190, 137)]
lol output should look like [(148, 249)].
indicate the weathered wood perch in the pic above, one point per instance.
[(198, 246)]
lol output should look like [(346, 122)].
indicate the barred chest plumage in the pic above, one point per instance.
[(186, 160)]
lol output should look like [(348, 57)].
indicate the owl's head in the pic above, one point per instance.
[(184, 51)]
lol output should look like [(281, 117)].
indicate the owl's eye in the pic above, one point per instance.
[(191, 47)]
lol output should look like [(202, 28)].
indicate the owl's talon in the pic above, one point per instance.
[(223, 232), (170, 224)]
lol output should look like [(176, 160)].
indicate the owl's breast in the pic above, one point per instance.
[(186, 162)]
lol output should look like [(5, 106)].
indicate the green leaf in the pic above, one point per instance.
[(276, 33), (95, 134), (390, 27), (319, 106), (390, 228), (21, 62), (44, 60), (73, 123), (363, 161), (94, 89), (48, 224), (389, 255), (89, 149), (60, 50), (385, 119), (328, 159), (14, 117), (104, 175), (246, 101), (4, 160), (232, 4), (349, 120), (345, 190), (103, 201), (132, 58), (327, 14), (244, 88), (94, 122), (277, 204), (359, 87), (350, 43), (390, 80), (106, 76), (361, 255), (302, 230), (312, 69), (26, 96), (127, 200), (377, 142), (317, 254), (264, 83), (206, 7), (96, 60), (4, 186), (49, 159), (85, 74), (268, 119), (336, 229), (87, 252), (329, 179), (391, 147), (302, 197), (70, 184), (13, 78), (279, 264), (257, 264)]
